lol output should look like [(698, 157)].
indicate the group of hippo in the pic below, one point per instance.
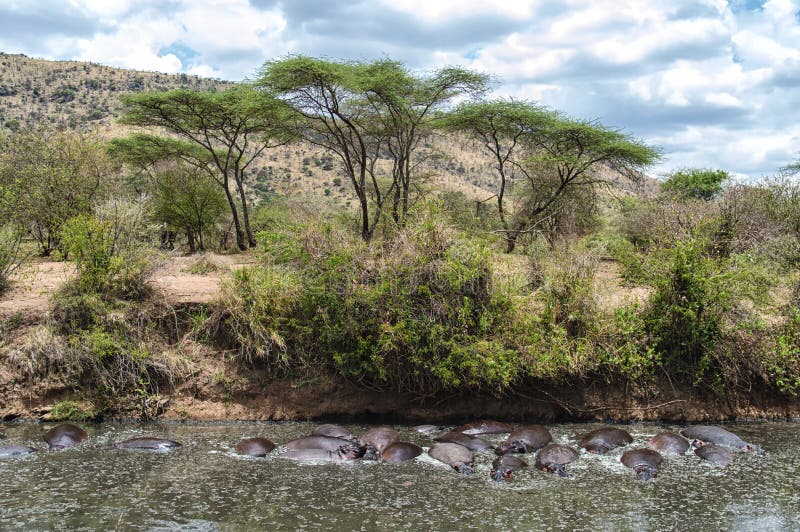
[(455, 447), (66, 435)]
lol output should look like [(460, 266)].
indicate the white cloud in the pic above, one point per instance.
[(437, 10), (711, 81)]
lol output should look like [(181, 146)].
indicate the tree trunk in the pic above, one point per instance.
[(240, 241), (190, 239), (251, 239), (366, 231), (511, 239)]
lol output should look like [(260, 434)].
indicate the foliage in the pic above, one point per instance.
[(72, 411), (47, 177), (500, 125), (552, 153), (697, 183), (361, 111), (109, 250), (187, 199), (568, 291), (11, 254), (783, 362), (220, 133), (412, 313)]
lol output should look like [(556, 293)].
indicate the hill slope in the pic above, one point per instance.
[(81, 95)]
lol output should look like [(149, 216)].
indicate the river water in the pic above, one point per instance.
[(204, 485)]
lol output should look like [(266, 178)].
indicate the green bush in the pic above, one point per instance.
[(696, 183), (72, 411), (685, 314), (11, 254), (110, 251), (75, 312), (261, 302), (414, 312)]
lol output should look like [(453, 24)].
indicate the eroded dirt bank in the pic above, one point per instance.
[(218, 389), (208, 396)]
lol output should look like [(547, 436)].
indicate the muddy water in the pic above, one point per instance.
[(205, 486)]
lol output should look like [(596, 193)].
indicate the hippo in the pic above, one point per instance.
[(15, 450), (255, 447), (484, 426), (315, 455), (525, 440), (504, 466), (400, 451), (346, 448), (145, 443), (377, 440), (553, 458), (425, 429), (601, 441), (715, 454), (64, 436), (702, 434), (334, 431), (644, 462), (457, 456), (669, 443), (472, 443)]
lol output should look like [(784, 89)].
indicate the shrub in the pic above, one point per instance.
[(11, 255), (696, 183), (568, 289), (412, 313), (685, 314), (260, 303), (109, 252), (72, 411)]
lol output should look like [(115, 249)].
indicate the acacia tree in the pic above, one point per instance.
[(328, 98), (364, 110), (220, 133), (47, 177), (552, 154), (404, 105), (566, 153), (500, 125)]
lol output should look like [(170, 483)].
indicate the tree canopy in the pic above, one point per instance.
[(697, 183), (363, 110), (218, 132), (551, 152), (47, 177)]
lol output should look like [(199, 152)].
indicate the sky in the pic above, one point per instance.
[(713, 83)]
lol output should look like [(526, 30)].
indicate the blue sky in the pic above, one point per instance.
[(714, 83)]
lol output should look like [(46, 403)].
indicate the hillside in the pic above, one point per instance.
[(75, 94), (80, 95)]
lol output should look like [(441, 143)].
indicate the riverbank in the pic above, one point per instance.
[(209, 397), (194, 379)]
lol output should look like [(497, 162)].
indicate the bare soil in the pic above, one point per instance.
[(32, 289)]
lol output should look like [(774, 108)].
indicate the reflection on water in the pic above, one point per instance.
[(205, 486)]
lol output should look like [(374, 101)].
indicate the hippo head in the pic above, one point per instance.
[(597, 448), (351, 451), (464, 469), (514, 447), (557, 469), (500, 474), (645, 472), (370, 453)]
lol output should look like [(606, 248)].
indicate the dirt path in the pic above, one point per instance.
[(185, 279)]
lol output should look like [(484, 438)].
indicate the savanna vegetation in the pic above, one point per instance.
[(413, 287)]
